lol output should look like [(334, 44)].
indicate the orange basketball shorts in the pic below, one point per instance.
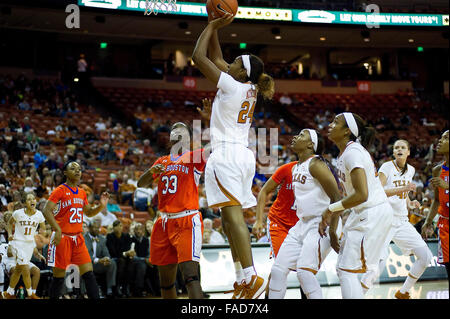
[(70, 250), (176, 238), (277, 233)]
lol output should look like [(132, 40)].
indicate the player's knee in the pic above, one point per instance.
[(423, 255), (278, 277)]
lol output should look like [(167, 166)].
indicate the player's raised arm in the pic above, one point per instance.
[(268, 187), (92, 210), (200, 54), (146, 179)]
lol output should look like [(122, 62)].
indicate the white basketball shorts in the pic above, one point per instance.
[(229, 176), (22, 251)]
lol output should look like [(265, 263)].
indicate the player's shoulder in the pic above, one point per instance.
[(387, 165), (287, 166), (18, 212)]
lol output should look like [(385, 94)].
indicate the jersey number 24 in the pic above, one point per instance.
[(246, 112)]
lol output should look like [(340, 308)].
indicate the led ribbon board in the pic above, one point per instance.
[(386, 19), (294, 15)]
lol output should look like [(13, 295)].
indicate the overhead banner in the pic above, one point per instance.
[(275, 14), (380, 18)]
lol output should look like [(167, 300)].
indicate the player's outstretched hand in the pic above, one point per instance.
[(223, 21), (57, 237), (324, 223), (427, 230), (157, 169), (206, 111), (438, 182)]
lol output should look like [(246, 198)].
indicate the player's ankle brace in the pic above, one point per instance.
[(91, 285), (56, 287)]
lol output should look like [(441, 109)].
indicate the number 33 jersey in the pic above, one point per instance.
[(178, 184), (69, 210)]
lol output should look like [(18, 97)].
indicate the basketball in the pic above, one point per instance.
[(217, 8)]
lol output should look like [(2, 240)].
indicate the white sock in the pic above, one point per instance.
[(310, 284), (248, 273), (11, 291), (423, 256), (33, 291), (239, 272), (350, 285), (29, 292)]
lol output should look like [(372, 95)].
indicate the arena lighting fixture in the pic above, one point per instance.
[(365, 35), (233, 35), (76, 79), (410, 40), (278, 37), (366, 65), (322, 38), (187, 32)]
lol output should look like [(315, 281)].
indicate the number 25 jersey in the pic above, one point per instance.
[(69, 210), (178, 184)]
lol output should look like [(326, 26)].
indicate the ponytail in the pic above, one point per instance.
[(266, 86), (366, 132), (263, 81), (319, 152)]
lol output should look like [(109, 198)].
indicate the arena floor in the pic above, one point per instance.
[(422, 290)]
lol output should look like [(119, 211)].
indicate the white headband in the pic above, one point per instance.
[(313, 135), (246, 63), (351, 123)]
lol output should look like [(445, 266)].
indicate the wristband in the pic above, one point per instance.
[(336, 207)]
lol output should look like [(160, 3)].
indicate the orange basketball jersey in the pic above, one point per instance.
[(69, 210), (283, 210), (443, 193), (178, 184)]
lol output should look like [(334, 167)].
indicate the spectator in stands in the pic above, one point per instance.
[(101, 259), (126, 191), (138, 264), (106, 154), (26, 126), (119, 246), (284, 128), (5, 198), (210, 235), (285, 99), (106, 218), (100, 125), (28, 186)]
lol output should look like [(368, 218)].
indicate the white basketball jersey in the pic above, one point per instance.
[(356, 156), (310, 197), (395, 179), (25, 226), (232, 111)]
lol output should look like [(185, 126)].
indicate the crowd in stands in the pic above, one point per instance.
[(42, 125)]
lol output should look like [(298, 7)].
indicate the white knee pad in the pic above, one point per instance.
[(278, 277), (424, 256)]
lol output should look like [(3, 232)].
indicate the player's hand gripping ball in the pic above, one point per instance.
[(217, 8)]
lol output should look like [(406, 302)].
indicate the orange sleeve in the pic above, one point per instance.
[(280, 173), (56, 195)]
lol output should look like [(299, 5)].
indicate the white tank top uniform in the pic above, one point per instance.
[(23, 242), (369, 223), (303, 247), (231, 166), (403, 233)]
